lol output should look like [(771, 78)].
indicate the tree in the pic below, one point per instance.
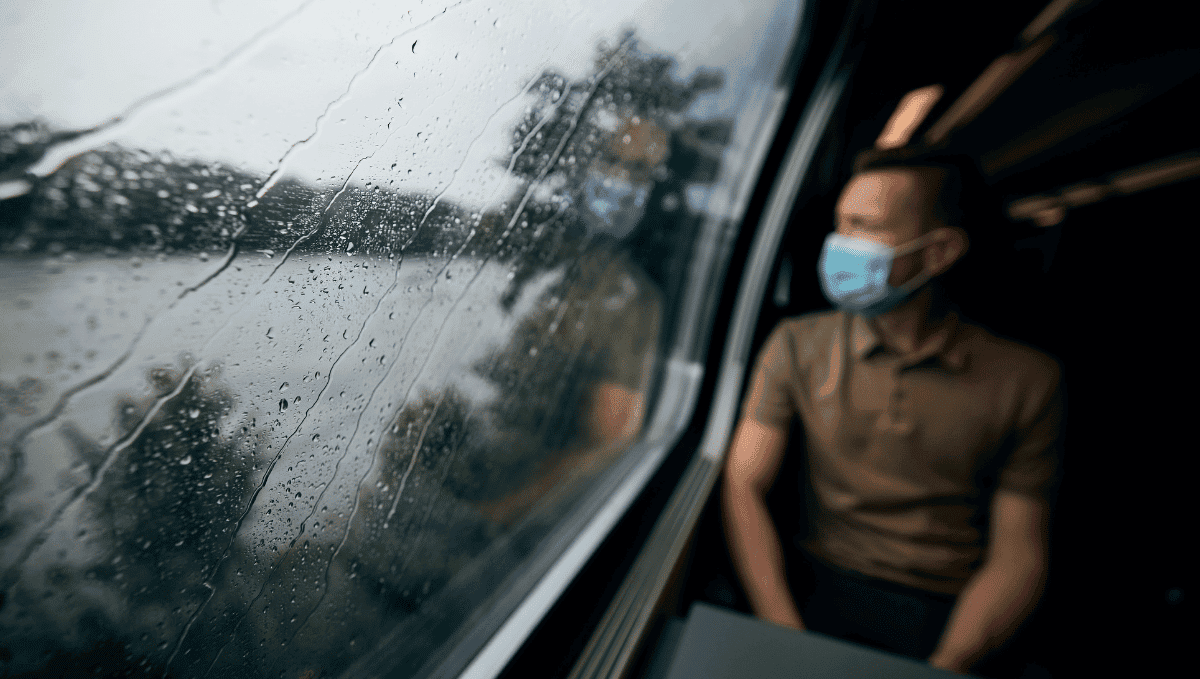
[(160, 514)]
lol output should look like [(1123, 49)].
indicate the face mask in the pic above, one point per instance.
[(616, 205), (854, 274)]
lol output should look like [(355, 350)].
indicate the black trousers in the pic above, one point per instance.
[(868, 611), (882, 614)]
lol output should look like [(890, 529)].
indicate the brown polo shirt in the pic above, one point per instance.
[(906, 451)]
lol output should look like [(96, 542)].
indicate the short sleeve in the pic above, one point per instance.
[(1035, 465), (769, 398)]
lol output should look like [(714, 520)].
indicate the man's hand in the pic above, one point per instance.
[(753, 461), (945, 663), (1006, 588)]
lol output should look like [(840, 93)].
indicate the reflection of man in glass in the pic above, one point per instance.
[(932, 445), (618, 184), (594, 338)]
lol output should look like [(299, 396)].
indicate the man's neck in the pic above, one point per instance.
[(906, 328)]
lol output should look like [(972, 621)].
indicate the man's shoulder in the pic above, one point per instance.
[(620, 284), (1007, 355), (811, 322), (806, 335)]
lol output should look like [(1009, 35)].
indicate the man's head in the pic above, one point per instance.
[(897, 196), (639, 146), (620, 180)]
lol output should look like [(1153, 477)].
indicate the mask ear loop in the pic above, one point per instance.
[(916, 243), (910, 247)]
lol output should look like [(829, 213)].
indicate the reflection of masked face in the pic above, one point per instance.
[(614, 205)]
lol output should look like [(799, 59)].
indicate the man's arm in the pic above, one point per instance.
[(754, 460), (1006, 588), (611, 424), (616, 414)]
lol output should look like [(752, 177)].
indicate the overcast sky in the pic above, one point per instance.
[(431, 88)]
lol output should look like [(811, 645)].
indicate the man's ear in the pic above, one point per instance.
[(951, 245)]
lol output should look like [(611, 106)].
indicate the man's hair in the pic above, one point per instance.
[(963, 199), (966, 201)]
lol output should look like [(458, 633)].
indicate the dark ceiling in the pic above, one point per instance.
[(1113, 91)]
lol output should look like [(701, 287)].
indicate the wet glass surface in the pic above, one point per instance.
[(319, 317)]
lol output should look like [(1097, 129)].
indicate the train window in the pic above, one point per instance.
[(332, 326)]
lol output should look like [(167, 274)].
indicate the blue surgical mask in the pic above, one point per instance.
[(616, 205), (854, 273)]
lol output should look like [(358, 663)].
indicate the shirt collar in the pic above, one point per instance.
[(942, 344)]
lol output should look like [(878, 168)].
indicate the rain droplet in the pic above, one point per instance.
[(283, 404), (186, 461), (194, 413), (283, 387), (316, 437)]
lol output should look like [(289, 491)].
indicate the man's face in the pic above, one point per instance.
[(639, 146), (891, 207), (620, 181)]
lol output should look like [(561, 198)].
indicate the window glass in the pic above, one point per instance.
[(323, 319)]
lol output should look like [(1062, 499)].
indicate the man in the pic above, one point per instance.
[(591, 343), (932, 445)]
